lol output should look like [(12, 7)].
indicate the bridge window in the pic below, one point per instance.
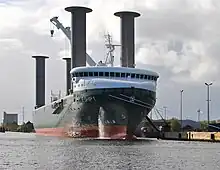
[(95, 73), (111, 74), (100, 74), (77, 74), (141, 76), (137, 76), (117, 74), (145, 76), (90, 74), (106, 74), (122, 74), (85, 74), (132, 75), (81, 74)]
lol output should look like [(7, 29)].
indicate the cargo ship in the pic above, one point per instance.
[(104, 101)]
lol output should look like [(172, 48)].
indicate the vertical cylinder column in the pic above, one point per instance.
[(40, 80), (68, 76), (78, 35), (127, 37)]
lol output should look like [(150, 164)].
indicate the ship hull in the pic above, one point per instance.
[(106, 113)]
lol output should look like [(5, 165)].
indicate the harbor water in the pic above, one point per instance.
[(26, 152)]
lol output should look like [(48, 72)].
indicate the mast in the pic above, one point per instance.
[(109, 60)]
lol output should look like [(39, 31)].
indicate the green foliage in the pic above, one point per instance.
[(11, 127), (175, 125), (25, 127), (204, 124)]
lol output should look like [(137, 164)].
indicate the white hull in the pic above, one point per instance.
[(43, 117)]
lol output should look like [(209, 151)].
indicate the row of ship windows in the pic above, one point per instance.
[(114, 74), (78, 85)]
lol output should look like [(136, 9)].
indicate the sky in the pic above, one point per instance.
[(178, 39)]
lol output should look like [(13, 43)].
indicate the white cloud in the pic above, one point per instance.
[(189, 58)]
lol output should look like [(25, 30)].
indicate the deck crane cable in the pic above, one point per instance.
[(151, 123), (161, 116), (155, 113)]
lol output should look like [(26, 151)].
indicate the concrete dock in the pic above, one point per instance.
[(192, 136)]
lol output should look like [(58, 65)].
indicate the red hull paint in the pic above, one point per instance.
[(50, 131), (109, 132), (69, 132), (115, 132)]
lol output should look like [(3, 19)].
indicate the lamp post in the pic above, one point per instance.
[(181, 109), (208, 85)]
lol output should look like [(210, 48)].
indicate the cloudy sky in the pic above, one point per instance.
[(179, 39)]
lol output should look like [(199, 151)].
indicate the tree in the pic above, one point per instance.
[(204, 124), (175, 125)]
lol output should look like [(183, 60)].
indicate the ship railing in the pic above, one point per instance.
[(132, 101), (137, 100), (145, 105)]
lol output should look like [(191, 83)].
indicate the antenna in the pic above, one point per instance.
[(111, 48)]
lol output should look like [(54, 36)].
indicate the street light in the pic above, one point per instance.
[(208, 99), (181, 108)]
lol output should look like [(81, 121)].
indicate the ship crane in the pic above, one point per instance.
[(66, 30)]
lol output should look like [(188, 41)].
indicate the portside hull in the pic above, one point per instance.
[(67, 118)]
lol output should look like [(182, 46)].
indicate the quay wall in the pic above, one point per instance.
[(192, 136)]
